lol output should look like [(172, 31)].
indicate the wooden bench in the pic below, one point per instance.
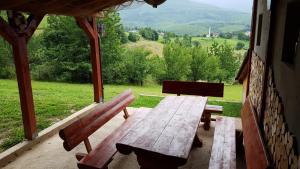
[(255, 152), (80, 130), (199, 89), (223, 154)]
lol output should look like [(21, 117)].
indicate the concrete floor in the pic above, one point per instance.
[(50, 154)]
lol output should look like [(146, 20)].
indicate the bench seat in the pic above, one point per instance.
[(223, 154), (80, 130), (100, 156)]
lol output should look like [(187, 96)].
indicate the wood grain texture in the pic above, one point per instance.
[(84, 127), (256, 155), (103, 153), (193, 88), (168, 131), (223, 155)]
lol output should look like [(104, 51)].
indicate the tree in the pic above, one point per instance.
[(157, 68), (198, 64), (113, 68), (228, 64), (133, 37), (177, 61), (242, 36), (239, 46), (64, 52), (187, 41), (149, 34), (136, 65)]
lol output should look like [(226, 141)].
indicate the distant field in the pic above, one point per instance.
[(205, 42), (55, 101), (156, 47)]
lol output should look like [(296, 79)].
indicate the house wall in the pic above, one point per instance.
[(281, 111), (287, 76)]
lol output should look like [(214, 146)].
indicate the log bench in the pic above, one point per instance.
[(80, 130), (223, 154), (199, 89), (255, 150)]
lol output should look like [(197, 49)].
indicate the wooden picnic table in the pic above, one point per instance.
[(164, 138)]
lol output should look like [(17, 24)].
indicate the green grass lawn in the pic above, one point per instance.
[(55, 101)]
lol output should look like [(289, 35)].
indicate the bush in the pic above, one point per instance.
[(7, 72), (133, 37), (239, 46)]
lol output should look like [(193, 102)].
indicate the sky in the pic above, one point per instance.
[(239, 5)]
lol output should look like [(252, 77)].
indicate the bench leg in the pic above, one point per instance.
[(80, 156), (207, 119)]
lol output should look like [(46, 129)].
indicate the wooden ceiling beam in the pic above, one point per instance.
[(60, 7)]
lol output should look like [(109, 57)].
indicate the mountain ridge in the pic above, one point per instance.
[(185, 17)]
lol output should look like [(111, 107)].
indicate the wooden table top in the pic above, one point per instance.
[(169, 129)]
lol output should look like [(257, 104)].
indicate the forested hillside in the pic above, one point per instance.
[(185, 17)]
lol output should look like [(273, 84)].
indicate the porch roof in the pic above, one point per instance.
[(66, 7)]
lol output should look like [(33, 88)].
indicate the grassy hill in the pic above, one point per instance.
[(185, 17), (154, 47)]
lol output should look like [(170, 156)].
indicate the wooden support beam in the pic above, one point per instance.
[(25, 90), (90, 28), (18, 39)]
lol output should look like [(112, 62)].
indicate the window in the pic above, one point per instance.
[(258, 38), (291, 33)]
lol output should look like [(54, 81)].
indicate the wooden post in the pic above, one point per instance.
[(90, 28), (18, 38)]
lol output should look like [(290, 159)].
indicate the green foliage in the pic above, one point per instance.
[(112, 51), (198, 64), (149, 34), (228, 64), (136, 65), (64, 54), (226, 35), (157, 68), (239, 46), (7, 69), (167, 37), (133, 37), (187, 41), (242, 36), (177, 61)]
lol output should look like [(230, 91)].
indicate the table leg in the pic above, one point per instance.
[(197, 141)]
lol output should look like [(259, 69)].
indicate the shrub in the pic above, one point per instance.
[(239, 46), (133, 37)]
